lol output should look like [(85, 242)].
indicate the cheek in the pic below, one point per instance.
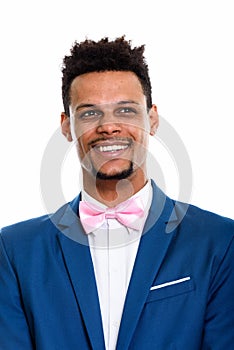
[(80, 130), (140, 135), (139, 128), (83, 140), (141, 140), (83, 135), (81, 146), (80, 150)]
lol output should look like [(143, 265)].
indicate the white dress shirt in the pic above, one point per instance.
[(113, 250)]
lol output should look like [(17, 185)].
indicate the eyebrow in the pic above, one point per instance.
[(84, 105), (87, 105)]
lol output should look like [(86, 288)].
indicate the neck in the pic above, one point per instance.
[(113, 192)]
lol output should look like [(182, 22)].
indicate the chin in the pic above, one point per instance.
[(119, 175)]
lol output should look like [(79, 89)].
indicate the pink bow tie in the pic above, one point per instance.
[(126, 213)]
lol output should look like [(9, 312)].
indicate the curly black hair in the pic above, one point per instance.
[(104, 55)]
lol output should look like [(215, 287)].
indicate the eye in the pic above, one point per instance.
[(126, 111), (89, 114)]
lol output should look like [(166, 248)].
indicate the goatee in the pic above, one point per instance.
[(118, 176)]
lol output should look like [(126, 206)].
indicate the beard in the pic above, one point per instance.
[(118, 176)]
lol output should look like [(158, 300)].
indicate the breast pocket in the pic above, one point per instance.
[(171, 289)]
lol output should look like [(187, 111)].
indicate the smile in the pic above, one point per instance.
[(112, 148)]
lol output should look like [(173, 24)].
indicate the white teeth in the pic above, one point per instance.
[(112, 148)]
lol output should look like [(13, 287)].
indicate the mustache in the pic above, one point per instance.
[(101, 139)]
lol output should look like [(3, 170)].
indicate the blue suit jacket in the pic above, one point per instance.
[(48, 294)]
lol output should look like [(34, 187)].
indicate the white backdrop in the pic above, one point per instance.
[(189, 49)]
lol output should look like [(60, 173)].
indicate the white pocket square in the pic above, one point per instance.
[(166, 284)]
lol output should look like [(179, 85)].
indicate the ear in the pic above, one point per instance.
[(65, 126), (154, 119)]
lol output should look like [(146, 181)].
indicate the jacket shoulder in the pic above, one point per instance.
[(34, 228), (204, 223), (209, 218), (26, 229)]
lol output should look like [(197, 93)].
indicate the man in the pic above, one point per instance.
[(104, 271)]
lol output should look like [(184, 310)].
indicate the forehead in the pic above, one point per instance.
[(106, 87)]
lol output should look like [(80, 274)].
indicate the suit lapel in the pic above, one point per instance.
[(151, 253), (75, 249)]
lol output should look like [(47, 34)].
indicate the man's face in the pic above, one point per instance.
[(109, 120)]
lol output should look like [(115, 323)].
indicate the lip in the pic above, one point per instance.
[(111, 148)]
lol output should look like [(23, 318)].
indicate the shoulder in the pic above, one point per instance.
[(25, 227), (204, 229), (35, 230), (188, 217), (204, 219), (25, 236)]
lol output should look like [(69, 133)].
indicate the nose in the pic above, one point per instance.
[(108, 125)]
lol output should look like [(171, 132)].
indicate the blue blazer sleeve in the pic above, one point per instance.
[(14, 331), (219, 319)]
